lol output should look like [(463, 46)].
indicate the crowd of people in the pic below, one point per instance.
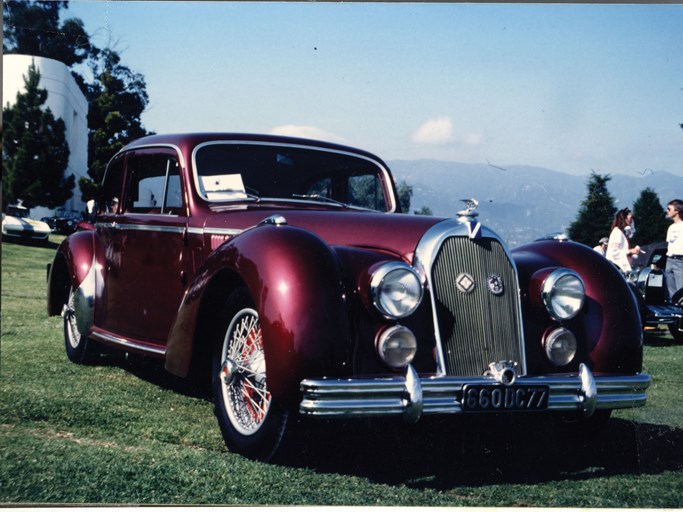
[(617, 249)]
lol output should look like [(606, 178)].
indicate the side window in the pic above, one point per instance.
[(366, 191), (153, 184), (112, 187)]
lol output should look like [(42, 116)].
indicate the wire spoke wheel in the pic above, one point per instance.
[(252, 422), (243, 373), (71, 333), (79, 349)]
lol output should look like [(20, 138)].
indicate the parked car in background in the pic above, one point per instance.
[(282, 270), (63, 222), (647, 280), (17, 225)]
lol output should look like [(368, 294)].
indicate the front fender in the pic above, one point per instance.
[(294, 280), (609, 322)]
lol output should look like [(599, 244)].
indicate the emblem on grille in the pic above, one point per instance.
[(495, 284), (464, 283)]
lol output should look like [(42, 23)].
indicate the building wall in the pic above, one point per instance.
[(65, 100)]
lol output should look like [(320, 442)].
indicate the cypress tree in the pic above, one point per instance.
[(35, 152), (649, 218), (594, 218)]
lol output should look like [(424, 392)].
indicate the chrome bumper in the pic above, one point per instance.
[(662, 315), (411, 396)]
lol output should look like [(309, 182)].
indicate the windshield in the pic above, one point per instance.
[(254, 171), (18, 211)]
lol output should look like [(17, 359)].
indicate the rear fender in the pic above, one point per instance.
[(77, 265), (294, 279)]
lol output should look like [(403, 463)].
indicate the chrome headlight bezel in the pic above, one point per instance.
[(396, 290), (563, 294)]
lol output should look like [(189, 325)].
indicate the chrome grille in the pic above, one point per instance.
[(478, 327)]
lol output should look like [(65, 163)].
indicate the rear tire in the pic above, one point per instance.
[(79, 349), (252, 423)]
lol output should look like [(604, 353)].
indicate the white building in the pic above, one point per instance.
[(65, 100)]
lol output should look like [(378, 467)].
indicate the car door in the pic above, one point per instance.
[(146, 249)]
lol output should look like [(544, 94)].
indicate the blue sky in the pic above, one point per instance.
[(573, 88)]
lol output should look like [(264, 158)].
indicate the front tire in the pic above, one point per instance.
[(251, 422), (79, 349)]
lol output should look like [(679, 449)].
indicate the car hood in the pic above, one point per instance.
[(25, 223), (389, 232)]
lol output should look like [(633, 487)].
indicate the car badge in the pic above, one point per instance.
[(465, 283), (495, 284)]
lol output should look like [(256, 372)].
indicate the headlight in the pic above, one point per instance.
[(560, 346), (563, 294), (396, 290), (396, 346)]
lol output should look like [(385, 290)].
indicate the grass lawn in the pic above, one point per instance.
[(124, 432)]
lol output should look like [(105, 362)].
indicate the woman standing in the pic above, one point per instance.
[(618, 250), (674, 252)]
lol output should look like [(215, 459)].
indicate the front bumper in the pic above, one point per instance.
[(411, 396)]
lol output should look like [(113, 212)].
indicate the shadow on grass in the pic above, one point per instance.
[(659, 338), (447, 452)]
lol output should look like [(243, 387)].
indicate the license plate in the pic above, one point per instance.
[(656, 281), (499, 398)]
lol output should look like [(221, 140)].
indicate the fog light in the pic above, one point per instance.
[(396, 346), (560, 346)]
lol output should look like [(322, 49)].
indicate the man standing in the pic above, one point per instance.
[(674, 253)]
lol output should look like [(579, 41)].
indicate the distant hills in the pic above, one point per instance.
[(520, 203)]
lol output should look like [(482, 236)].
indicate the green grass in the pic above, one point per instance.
[(124, 432)]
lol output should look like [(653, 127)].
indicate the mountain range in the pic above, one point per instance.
[(520, 203)]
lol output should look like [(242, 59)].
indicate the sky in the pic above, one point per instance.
[(572, 88)]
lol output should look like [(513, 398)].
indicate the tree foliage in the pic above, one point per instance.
[(117, 96), (33, 28), (594, 218), (35, 153), (405, 194), (648, 215)]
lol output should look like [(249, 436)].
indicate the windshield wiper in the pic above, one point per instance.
[(322, 199)]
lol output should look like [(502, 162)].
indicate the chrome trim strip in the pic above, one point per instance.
[(425, 255), (397, 396), (169, 229), (385, 172), (152, 227), (218, 231), (126, 343)]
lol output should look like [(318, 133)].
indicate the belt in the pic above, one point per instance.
[(676, 257)]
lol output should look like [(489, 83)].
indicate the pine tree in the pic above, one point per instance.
[(595, 216), (649, 218), (35, 153)]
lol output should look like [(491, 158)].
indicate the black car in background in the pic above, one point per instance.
[(649, 286), (63, 221)]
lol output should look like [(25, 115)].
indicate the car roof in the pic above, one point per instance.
[(189, 140)]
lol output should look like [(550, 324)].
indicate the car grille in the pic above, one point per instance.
[(477, 327)]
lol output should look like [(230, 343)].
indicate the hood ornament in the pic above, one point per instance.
[(468, 216)]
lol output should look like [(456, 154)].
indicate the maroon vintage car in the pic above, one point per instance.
[(283, 269)]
